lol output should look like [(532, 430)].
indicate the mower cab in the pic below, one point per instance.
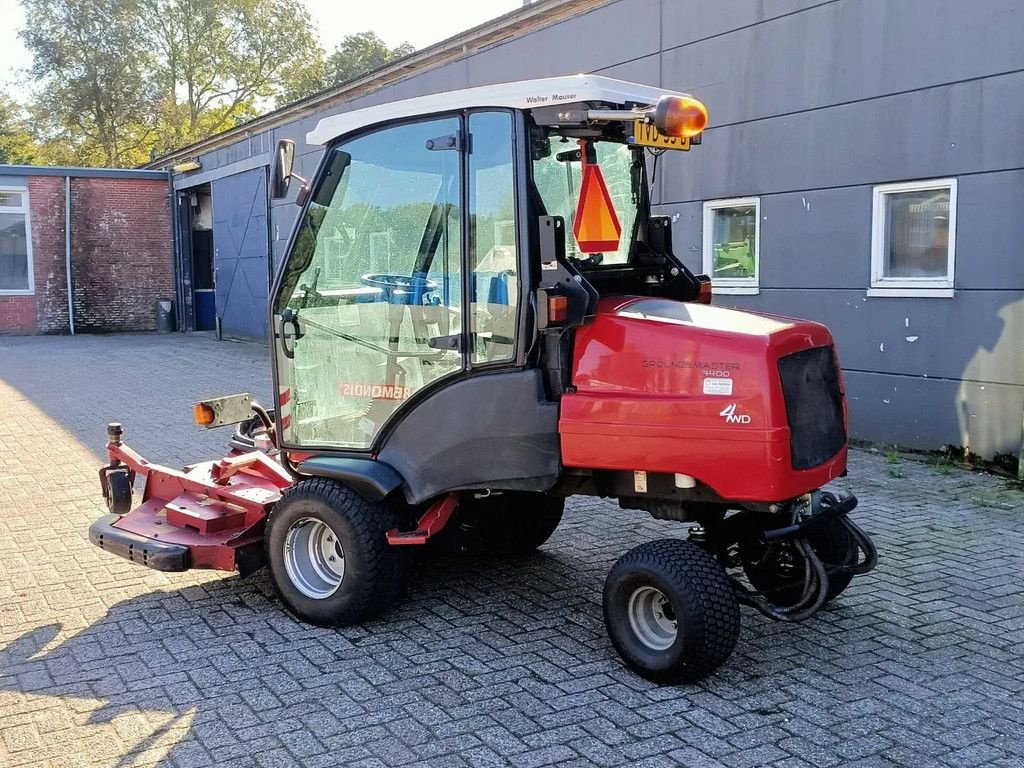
[(477, 316)]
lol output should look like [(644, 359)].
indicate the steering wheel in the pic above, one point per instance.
[(400, 289), (409, 291)]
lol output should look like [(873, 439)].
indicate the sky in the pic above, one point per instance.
[(419, 22)]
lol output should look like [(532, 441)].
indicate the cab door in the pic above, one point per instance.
[(397, 311), (493, 428), (368, 309)]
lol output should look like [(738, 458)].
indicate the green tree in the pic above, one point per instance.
[(303, 77), (361, 53), (353, 57), (119, 79), (220, 61), (90, 64), (17, 145)]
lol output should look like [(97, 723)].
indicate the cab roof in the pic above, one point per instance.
[(522, 94)]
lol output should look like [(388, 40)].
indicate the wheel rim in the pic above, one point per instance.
[(652, 619), (314, 558)]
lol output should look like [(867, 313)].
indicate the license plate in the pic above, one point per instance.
[(646, 135)]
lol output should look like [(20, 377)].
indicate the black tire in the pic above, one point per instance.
[(511, 524), (698, 595), (777, 570), (374, 571), (118, 491)]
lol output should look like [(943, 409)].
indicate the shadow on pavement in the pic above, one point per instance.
[(220, 672)]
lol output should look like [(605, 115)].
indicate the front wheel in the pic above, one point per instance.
[(328, 554), (670, 611)]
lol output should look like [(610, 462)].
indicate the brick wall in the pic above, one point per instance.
[(120, 254), (46, 214), (18, 315)]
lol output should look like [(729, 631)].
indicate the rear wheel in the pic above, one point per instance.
[(512, 524), (328, 554), (670, 611), (778, 572)]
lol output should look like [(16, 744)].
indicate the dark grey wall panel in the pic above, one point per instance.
[(845, 51), (931, 413), (990, 230), (922, 337), (817, 239), (684, 21), (445, 78), (643, 70), (822, 238), (686, 232), (606, 36), (906, 410), (925, 134)]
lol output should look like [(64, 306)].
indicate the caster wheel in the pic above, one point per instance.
[(670, 611), (117, 491)]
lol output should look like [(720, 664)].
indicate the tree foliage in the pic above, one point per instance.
[(354, 56), (219, 60), (91, 62), (359, 54), (117, 81), (16, 143)]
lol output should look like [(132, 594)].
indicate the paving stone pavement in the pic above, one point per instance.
[(488, 662)]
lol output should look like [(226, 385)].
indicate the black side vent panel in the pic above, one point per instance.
[(814, 406)]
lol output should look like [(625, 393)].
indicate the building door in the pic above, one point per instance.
[(241, 248), (201, 249)]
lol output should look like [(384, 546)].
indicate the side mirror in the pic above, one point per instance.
[(281, 173)]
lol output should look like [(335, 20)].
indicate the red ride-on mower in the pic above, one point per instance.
[(477, 317)]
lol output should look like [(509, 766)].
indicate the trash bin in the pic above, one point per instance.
[(164, 315)]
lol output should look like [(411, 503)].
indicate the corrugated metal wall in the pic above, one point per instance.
[(813, 103)]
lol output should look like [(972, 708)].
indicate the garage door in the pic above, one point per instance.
[(240, 253)]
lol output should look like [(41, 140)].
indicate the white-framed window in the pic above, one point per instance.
[(15, 242), (732, 252), (913, 239)]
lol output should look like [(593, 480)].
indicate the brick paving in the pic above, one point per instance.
[(488, 662)]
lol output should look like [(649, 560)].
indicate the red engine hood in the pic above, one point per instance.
[(666, 386), (649, 345)]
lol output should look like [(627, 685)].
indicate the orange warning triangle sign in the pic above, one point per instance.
[(596, 226)]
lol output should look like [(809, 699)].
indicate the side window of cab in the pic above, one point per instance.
[(493, 240)]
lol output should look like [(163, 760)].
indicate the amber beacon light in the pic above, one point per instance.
[(681, 116)]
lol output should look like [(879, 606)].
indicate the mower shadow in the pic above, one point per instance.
[(195, 655), (190, 660)]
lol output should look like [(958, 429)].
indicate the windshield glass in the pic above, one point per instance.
[(558, 182), (371, 285)]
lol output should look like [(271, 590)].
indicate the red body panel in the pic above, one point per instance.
[(667, 386)]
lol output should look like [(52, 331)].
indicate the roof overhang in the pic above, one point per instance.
[(523, 94)]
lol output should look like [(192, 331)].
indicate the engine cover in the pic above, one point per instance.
[(750, 405)]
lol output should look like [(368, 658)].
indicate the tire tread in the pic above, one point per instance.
[(370, 521), (705, 582)]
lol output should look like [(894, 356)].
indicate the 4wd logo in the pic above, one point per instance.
[(731, 417)]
